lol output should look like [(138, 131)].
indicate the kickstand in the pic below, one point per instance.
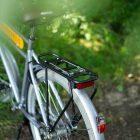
[(19, 131)]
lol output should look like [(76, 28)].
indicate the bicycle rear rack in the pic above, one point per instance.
[(78, 76)]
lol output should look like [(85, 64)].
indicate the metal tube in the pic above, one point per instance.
[(10, 75), (25, 82), (56, 94), (36, 87)]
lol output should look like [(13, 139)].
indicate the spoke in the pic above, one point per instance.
[(56, 94), (55, 107), (42, 94), (53, 116), (51, 98), (54, 104)]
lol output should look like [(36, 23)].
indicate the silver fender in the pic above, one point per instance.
[(85, 104), (11, 69)]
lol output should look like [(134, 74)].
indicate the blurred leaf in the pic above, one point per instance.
[(120, 88)]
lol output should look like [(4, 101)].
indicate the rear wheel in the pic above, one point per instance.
[(85, 129)]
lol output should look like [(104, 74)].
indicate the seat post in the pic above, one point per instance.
[(32, 32), (31, 36)]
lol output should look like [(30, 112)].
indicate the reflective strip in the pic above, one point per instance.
[(12, 35), (84, 85)]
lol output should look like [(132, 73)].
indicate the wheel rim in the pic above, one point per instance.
[(81, 135)]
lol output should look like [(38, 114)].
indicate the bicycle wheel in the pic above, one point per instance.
[(86, 129)]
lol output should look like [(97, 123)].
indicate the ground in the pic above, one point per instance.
[(122, 110)]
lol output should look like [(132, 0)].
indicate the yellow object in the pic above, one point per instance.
[(12, 35)]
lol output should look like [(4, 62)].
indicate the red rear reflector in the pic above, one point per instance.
[(84, 85), (102, 127), (101, 124)]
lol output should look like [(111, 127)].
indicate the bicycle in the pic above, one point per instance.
[(54, 94)]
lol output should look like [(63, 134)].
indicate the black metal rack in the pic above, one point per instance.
[(77, 76), (74, 73)]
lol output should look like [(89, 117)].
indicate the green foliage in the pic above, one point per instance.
[(103, 36)]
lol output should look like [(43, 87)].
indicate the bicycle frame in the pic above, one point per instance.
[(12, 72)]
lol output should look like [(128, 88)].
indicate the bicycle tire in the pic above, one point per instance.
[(88, 114)]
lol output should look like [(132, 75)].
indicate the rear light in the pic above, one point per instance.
[(84, 85), (101, 124)]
